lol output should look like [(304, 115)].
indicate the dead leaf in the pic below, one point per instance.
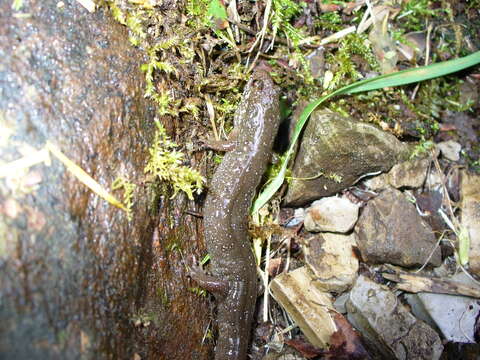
[(305, 348), (329, 7), (345, 343), (274, 266), (447, 127)]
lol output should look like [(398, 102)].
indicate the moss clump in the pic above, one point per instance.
[(415, 13), (422, 148), (166, 164), (283, 12), (133, 19), (342, 62), (128, 189)]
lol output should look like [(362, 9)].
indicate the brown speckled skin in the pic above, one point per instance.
[(226, 214)]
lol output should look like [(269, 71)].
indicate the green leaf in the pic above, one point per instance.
[(217, 10), (17, 5), (394, 79), (463, 246)]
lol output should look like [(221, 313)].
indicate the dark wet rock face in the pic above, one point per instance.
[(76, 277)]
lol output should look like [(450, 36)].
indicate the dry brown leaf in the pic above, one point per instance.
[(345, 343), (305, 348)]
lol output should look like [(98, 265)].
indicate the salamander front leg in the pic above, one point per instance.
[(222, 145), (218, 287)]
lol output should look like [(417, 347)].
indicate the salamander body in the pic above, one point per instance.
[(226, 212)]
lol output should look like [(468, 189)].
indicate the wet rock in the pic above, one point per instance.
[(414, 127), (79, 279), (307, 305), (317, 62), (407, 174), (454, 316), (450, 150), (429, 202), (331, 259), (469, 92), (341, 303), (333, 147), (456, 351), (415, 45), (297, 218), (390, 330), (332, 214), (470, 205), (391, 231)]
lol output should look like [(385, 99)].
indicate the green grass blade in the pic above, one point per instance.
[(395, 79), (409, 76), (463, 246)]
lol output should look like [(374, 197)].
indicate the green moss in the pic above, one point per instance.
[(133, 19), (198, 291), (128, 189), (143, 318), (437, 95), (283, 12), (163, 296), (329, 21), (342, 64), (415, 14), (17, 5), (173, 246), (274, 169), (166, 164), (163, 99), (197, 11), (422, 148)]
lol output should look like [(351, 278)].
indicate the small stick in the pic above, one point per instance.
[(415, 283)]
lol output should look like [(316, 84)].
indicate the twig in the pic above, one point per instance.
[(415, 283), (427, 58), (211, 115), (265, 279), (270, 38)]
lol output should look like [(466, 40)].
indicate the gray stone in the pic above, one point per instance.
[(407, 174), (340, 303), (338, 147), (453, 315), (331, 259), (389, 329), (450, 150), (332, 214), (391, 231)]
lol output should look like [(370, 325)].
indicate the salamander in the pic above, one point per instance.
[(226, 211)]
